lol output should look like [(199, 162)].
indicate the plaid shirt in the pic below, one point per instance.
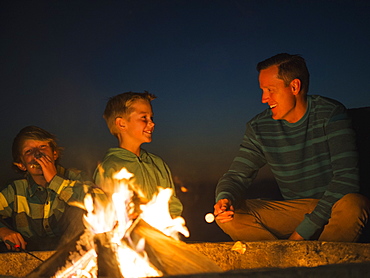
[(35, 210)]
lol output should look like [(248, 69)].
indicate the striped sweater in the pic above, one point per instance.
[(315, 157)]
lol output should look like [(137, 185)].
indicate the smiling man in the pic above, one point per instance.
[(308, 143)]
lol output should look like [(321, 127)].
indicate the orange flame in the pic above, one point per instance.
[(116, 217)]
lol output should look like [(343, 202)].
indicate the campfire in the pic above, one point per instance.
[(127, 236)]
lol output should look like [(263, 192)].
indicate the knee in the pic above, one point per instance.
[(229, 229), (242, 227), (356, 204)]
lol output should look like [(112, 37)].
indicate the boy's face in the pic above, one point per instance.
[(139, 125), (34, 148)]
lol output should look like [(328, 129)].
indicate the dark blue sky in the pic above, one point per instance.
[(61, 60)]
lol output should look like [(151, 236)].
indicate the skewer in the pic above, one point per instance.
[(16, 246)]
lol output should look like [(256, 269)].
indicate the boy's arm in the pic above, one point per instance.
[(73, 192), (7, 197), (175, 205)]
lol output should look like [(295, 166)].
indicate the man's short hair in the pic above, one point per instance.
[(32, 133), (121, 106), (290, 67)]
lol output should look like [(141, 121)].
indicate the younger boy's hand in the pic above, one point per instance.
[(48, 167), (12, 236), (223, 210)]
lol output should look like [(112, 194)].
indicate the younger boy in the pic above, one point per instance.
[(129, 117), (44, 208)]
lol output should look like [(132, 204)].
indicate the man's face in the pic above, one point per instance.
[(32, 149), (140, 125), (280, 98)]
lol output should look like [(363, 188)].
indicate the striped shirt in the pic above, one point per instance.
[(315, 157), (35, 210)]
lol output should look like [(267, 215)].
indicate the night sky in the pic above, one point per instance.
[(62, 60)]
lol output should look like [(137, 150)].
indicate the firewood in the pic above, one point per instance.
[(63, 256), (107, 259), (172, 257)]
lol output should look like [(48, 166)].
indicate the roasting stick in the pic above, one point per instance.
[(21, 249)]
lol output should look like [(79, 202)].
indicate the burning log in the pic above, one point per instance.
[(63, 257), (169, 256), (107, 257), (126, 238), (172, 257)]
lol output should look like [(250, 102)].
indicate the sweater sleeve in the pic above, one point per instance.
[(6, 203), (175, 205), (344, 162), (243, 169), (72, 191)]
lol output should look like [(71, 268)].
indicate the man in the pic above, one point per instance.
[(309, 144)]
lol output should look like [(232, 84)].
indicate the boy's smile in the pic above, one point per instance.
[(138, 126), (32, 149)]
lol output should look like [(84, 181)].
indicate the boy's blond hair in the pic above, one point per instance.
[(121, 106)]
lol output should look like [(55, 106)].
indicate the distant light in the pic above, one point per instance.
[(209, 217)]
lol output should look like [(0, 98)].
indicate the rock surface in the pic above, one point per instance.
[(260, 259)]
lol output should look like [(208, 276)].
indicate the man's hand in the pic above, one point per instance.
[(48, 167), (223, 210), (295, 236), (12, 236)]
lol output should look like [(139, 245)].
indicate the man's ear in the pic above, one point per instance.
[(20, 166), (120, 123), (295, 86)]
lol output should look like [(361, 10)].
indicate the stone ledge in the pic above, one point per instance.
[(284, 254), (260, 259)]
